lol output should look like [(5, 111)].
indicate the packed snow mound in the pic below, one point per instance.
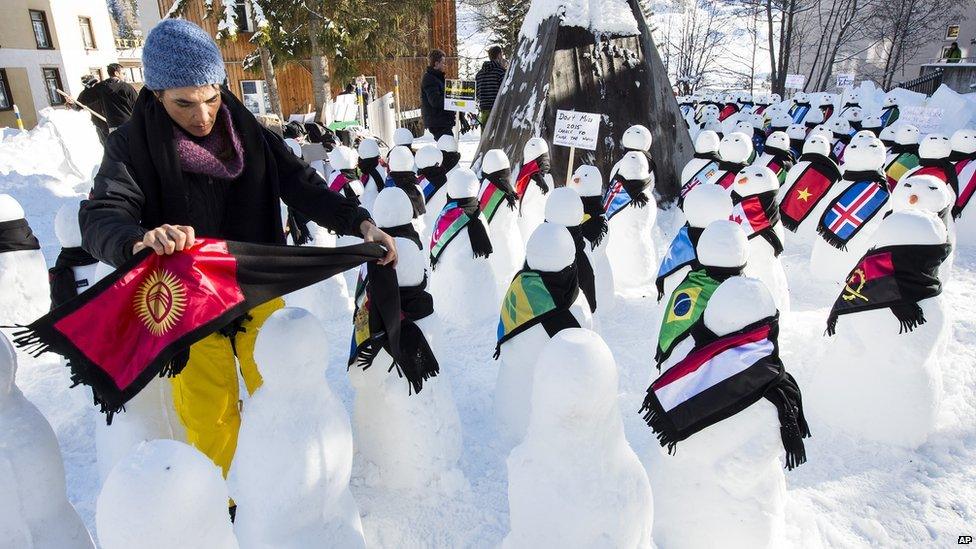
[(612, 17), (64, 142), (10, 209)]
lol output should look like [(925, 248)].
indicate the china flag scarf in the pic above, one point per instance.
[(139, 322)]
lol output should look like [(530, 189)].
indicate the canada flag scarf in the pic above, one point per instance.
[(758, 215), (536, 171)]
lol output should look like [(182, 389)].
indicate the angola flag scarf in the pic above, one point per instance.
[(844, 217), (342, 182), (727, 172), (451, 159), (368, 169), (414, 360), (16, 235), (780, 162), (497, 189), (139, 322), (941, 169), (456, 215), (686, 305), (681, 253), (893, 277), (538, 297), (532, 171), (809, 188), (758, 215), (594, 226), (702, 176), (62, 277), (719, 378), (902, 159), (430, 180), (584, 269), (407, 181), (625, 192), (966, 176)]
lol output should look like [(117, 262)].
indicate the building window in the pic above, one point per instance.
[(242, 10), (87, 35), (133, 74), (6, 98), (52, 83), (952, 32), (41, 33), (255, 96)]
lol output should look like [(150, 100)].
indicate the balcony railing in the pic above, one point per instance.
[(927, 83)]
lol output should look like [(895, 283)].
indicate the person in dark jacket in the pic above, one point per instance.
[(118, 97), (89, 97), (489, 80), (438, 120), (194, 162)]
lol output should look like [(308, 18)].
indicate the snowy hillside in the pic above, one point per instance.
[(850, 493)]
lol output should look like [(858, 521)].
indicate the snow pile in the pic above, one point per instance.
[(612, 17), (23, 276)]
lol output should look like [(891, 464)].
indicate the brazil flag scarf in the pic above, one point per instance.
[(497, 189), (538, 297), (16, 235), (456, 215), (893, 277), (139, 322)]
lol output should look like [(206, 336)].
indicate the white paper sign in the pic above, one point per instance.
[(845, 79), (926, 119), (576, 129), (459, 95), (795, 81)]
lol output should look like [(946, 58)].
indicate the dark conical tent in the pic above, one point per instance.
[(593, 56)]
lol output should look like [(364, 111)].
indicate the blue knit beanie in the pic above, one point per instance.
[(179, 54)]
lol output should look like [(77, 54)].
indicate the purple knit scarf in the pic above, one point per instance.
[(212, 155)]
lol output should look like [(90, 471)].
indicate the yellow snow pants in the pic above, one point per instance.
[(206, 393)]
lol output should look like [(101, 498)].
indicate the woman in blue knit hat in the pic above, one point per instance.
[(194, 162)]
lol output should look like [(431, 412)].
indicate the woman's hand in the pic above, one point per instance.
[(166, 239), (372, 233)]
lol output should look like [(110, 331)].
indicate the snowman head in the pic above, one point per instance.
[(775, 98), (368, 148), (447, 143), (534, 148), (8, 367), (853, 96), (814, 117), (706, 142), (817, 144), (495, 161), (292, 347), (637, 138), (575, 385), (755, 179), (633, 166), (296, 149), (401, 159), (781, 120), (66, 225), (778, 140), (801, 97), (713, 125), (906, 134), (921, 192), (840, 127), (10, 209), (743, 126), (745, 97), (738, 302), (964, 141), (822, 129), (796, 131), (564, 207), (910, 227), (705, 204), (934, 146), (864, 155), (550, 248), (710, 112), (854, 114), (587, 181), (343, 158), (729, 98), (392, 208), (887, 134), (735, 147), (402, 136), (872, 122), (723, 244), (429, 156), (462, 183), (863, 135), (890, 101), (756, 120)]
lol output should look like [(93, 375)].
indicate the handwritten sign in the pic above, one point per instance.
[(795, 81), (576, 129), (926, 119), (460, 96), (845, 79)]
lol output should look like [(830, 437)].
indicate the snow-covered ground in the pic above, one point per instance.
[(850, 493)]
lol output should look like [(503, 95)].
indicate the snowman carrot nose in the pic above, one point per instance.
[(913, 199), (743, 180), (576, 180)]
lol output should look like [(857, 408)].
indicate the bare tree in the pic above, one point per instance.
[(693, 41), (902, 27)]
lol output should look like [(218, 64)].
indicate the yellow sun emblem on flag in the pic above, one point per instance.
[(160, 301), (804, 194)]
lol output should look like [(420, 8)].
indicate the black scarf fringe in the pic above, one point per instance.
[(503, 180), (793, 428), (595, 228)]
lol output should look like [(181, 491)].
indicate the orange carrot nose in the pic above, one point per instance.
[(743, 180), (913, 199), (576, 180)]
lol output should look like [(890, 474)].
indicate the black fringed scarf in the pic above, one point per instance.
[(342, 183), (431, 179), (866, 195), (728, 172), (780, 162), (62, 276), (536, 171), (16, 235), (451, 159), (901, 148), (625, 192), (719, 378), (594, 226), (407, 182), (456, 215), (758, 215), (538, 297), (584, 269), (368, 169), (809, 188), (711, 155), (497, 190), (956, 156), (893, 277)]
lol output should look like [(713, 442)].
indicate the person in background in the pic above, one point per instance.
[(953, 54), (89, 97), (437, 119), (118, 97), (489, 81)]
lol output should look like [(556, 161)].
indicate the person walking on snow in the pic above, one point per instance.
[(488, 81), (438, 120), (193, 162), (118, 97), (89, 97)]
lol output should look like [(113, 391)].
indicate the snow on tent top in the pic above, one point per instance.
[(593, 56)]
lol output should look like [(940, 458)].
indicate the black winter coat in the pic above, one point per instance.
[(432, 101), (141, 186), (118, 100)]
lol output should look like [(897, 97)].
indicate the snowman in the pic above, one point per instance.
[(631, 211), (725, 484), (873, 124), (840, 130), (882, 379), (499, 204), (402, 137), (929, 194), (574, 481), (533, 183), (703, 164), (432, 179), (964, 156), (636, 138), (462, 281), (890, 111), (735, 151), (902, 155), (407, 441), (810, 185), (291, 480), (564, 207), (588, 183), (23, 272), (372, 171), (344, 179), (165, 494), (887, 136), (449, 148), (850, 219), (35, 507), (543, 299), (401, 175), (776, 155), (854, 117)]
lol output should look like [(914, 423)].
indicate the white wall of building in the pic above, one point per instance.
[(76, 60)]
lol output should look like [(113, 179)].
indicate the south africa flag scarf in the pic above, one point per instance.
[(889, 115), (538, 297), (534, 170), (864, 197), (758, 215), (457, 215), (780, 161), (719, 378), (407, 181), (625, 192), (893, 277), (686, 305), (16, 235), (62, 276), (681, 253), (497, 189), (140, 321), (809, 188), (430, 180), (966, 176), (594, 226)]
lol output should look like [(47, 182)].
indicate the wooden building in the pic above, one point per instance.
[(295, 79)]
